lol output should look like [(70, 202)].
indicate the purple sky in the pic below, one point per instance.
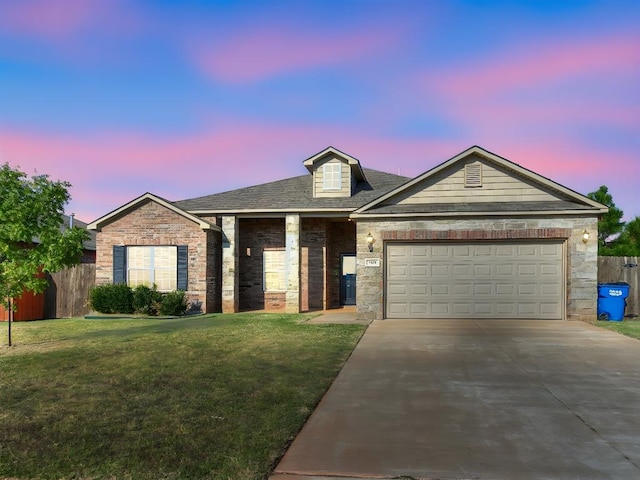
[(182, 99)]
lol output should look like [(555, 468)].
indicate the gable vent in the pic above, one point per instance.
[(473, 175)]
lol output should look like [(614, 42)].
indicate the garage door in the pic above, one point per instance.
[(475, 280)]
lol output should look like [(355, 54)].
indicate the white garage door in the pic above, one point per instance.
[(475, 280)]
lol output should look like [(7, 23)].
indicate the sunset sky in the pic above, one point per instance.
[(182, 99)]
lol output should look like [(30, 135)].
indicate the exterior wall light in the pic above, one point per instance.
[(370, 241), (585, 236)]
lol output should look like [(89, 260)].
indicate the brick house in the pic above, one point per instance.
[(478, 236)]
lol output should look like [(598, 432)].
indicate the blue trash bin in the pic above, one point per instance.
[(612, 301)]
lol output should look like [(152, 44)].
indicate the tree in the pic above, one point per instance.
[(628, 243), (609, 223), (31, 238)]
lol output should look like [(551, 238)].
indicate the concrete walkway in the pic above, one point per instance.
[(477, 400)]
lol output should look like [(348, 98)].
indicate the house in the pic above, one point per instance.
[(478, 236)]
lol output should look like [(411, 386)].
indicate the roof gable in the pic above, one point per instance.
[(478, 181), (126, 208), (313, 162)]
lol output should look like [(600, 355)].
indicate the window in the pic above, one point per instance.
[(275, 274), (152, 265), (164, 266), (332, 176)]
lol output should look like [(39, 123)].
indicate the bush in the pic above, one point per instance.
[(111, 298), (174, 303), (146, 300)]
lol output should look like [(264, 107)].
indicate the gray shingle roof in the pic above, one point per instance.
[(293, 194)]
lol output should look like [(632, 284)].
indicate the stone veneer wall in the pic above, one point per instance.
[(153, 224), (581, 259)]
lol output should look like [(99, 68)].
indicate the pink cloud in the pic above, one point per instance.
[(63, 19), (258, 53), (111, 168), (524, 68)]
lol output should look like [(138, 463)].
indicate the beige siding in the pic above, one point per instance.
[(318, 176), (498, 185)]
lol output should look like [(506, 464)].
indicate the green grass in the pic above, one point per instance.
[(209, 397), (630, 328)]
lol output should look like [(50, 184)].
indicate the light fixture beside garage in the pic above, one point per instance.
[(585, 236), (370, 241)]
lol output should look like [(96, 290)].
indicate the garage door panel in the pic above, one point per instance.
[(397, 290), (461, 251), (550, 270), (440, 251), (443, 271), (527, 270), (550, 289), (482, 271), (440, 310), (483, 289), (483, 280), (440, 289), (506, 310), (397, 271), (418, 271), (505, 289)]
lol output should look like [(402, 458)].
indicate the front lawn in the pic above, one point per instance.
[(630, 328), (209, 397)]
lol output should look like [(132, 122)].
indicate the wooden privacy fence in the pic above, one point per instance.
[(68, 291), (622, 269)]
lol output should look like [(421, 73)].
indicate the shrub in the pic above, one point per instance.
[(146, 300), (111, 298), (174, 303)]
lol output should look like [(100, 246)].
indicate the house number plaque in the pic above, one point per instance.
[(371, 262)]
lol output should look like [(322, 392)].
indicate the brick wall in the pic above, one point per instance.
[(313, 295), (153, 224), (256, 234), (321, 242)]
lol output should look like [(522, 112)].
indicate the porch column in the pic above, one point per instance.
[(292, 225), (230, 232)]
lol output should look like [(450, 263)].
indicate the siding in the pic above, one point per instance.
[(318, 178), (498, 185)]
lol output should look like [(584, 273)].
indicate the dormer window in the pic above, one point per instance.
[(335, 174), (332, 173)]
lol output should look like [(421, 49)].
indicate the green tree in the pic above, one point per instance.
[(31, 238), (609, 223), (628, 243)]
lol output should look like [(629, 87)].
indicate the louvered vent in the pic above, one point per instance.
[(473, 175)]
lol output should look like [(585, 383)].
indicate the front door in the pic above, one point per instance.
[(348, 279)]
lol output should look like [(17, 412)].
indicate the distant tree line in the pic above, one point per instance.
[(615, 237)]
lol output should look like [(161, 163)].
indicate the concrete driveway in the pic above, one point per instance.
[(472, 399)]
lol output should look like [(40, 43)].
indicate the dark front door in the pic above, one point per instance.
[(348, 279)]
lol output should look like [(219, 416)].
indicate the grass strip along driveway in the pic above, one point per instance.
[(630, 328), (209, 397)]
